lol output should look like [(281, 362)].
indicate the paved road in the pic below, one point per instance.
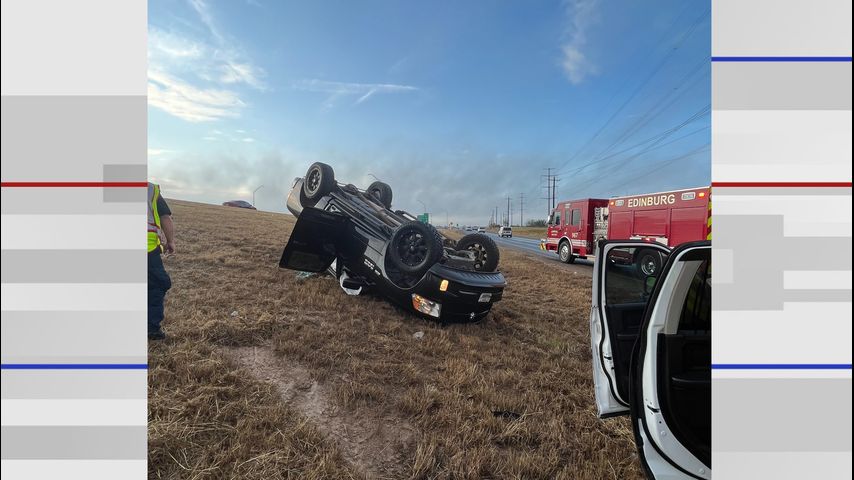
[(531, 245)]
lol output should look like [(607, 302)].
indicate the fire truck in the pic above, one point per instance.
[(575, 227)]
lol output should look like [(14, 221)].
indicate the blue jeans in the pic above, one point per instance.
[(158, 284)]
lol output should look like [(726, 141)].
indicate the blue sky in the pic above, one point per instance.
[(454, 104)]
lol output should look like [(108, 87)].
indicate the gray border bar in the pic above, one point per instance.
[(74, 443), (781, 86), (70, 139), (781, 415), (73, 266), (78, 384), (74, 334), (68, 201)]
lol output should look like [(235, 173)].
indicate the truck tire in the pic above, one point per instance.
[(414, 248), (382, 192), (484, 248), (564, 252), (647, 262), (319, 181)]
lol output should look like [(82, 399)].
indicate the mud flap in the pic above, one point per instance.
[(313, 243)]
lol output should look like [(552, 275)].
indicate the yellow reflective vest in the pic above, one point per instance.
[(153, 217)]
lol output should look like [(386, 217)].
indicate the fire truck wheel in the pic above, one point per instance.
[(648, 263), (484, 248), (564, 251)]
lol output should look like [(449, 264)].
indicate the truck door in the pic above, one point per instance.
[(671, 402), (573, 226), (312, 245), (619, 300), (555, 225)]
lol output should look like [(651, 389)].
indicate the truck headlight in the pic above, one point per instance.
[(424, 305)]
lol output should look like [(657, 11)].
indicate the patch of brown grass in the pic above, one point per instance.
[(510, 397)]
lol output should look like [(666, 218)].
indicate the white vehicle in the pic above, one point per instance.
[(505, 231), (651, 345), (481, 230)]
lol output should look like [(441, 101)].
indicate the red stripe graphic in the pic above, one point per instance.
[(783, 184), (73, 184)]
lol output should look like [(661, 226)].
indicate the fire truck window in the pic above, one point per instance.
[(576, 217), (556, 218)]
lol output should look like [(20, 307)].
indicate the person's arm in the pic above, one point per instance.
[(169, 231)]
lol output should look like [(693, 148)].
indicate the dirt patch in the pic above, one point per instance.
[(377, 445)]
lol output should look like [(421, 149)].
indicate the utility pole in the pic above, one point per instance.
[(521, 209), (509, 218), (548, 198)]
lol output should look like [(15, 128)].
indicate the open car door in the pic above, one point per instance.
[(312, 246), (671, 400), (621, 291)]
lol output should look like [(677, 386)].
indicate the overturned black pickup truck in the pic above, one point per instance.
[(355, 235)]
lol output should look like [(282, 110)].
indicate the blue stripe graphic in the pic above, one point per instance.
[(74, 366), (781, 59), (781, 366)]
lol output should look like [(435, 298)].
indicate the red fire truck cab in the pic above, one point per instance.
[(670, 218)]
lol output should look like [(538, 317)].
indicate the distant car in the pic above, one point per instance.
[(505, 232), (481, 230), (652, 352), (239, 204), (468, 228), (355, 235)]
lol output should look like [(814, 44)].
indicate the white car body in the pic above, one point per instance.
[(662, 328)]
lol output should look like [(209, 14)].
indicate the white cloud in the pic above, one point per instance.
[(362, 91), (199, 80), (153, 152), (576, 64), (189, 102)]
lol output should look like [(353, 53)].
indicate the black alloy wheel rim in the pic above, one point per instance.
[(479, 255), (412, 248), (313, 180)]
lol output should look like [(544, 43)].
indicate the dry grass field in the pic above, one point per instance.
[(266, 375)]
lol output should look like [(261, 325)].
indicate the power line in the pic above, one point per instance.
[(640, 87), (664, 163), (662, 104), (655, 139)]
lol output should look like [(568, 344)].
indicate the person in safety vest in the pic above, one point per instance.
[(161, 238)]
